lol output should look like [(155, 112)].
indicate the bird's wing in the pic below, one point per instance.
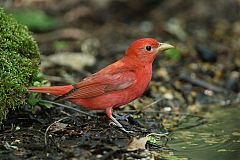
[(100, 84)]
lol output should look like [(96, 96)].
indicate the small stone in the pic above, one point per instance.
[(146, 26), (232, 82), (206, 54), (168, 96), (167, 109), (162, 72), (99, 156)]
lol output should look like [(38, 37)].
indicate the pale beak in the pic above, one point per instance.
[(164, 46)]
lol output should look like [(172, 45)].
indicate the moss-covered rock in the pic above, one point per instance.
[(19, 59)]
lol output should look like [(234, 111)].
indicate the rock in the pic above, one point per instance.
[(206, 54), (232, 82)]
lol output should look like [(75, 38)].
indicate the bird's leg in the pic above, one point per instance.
[(115, 122), (109, 114)]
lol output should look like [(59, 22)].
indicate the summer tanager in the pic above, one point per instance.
[(115, 85)]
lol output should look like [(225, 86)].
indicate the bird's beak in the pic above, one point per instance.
[(164, 46)]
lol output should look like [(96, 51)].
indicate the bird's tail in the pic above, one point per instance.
[(55, 90)]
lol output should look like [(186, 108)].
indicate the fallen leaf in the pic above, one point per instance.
[(137, 144), (58, 126), (74, 60)]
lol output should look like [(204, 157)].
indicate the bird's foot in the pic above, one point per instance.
[(121, 128), (127, 131), (128, 118), (116, 123), (122, 117)]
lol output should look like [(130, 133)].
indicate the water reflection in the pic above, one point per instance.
[(218, 139)]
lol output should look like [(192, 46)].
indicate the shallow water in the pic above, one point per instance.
[(217, 139)]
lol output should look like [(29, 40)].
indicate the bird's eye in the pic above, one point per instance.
[(148, 48)]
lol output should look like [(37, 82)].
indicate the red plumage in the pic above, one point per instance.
[(116, 84)]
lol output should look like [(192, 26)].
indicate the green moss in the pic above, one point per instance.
[(19, 59)]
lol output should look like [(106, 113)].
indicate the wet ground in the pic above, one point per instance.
[(190, 109), (216, 139)]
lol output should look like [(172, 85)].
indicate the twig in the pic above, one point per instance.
[(54, 78), (45, 134), (154, 102), (202, 83), (66, 33), (69, 107)]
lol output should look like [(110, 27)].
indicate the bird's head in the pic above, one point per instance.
[(145, 50)]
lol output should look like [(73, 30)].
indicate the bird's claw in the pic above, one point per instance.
[(122, 118), (126, 131), (121, 128), (112, 123)]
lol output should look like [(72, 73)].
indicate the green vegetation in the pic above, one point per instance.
[(172, 54), (19, 59), (60, 45), (35, 19)]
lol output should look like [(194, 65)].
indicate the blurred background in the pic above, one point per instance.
[(75, 33), (79, 37)]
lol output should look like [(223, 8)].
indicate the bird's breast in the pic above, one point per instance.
[(143, 78)]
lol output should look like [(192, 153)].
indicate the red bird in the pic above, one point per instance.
[(115, 85)]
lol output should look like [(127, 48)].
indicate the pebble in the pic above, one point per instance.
[(232, 82), (168, 96), (206, 54)]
